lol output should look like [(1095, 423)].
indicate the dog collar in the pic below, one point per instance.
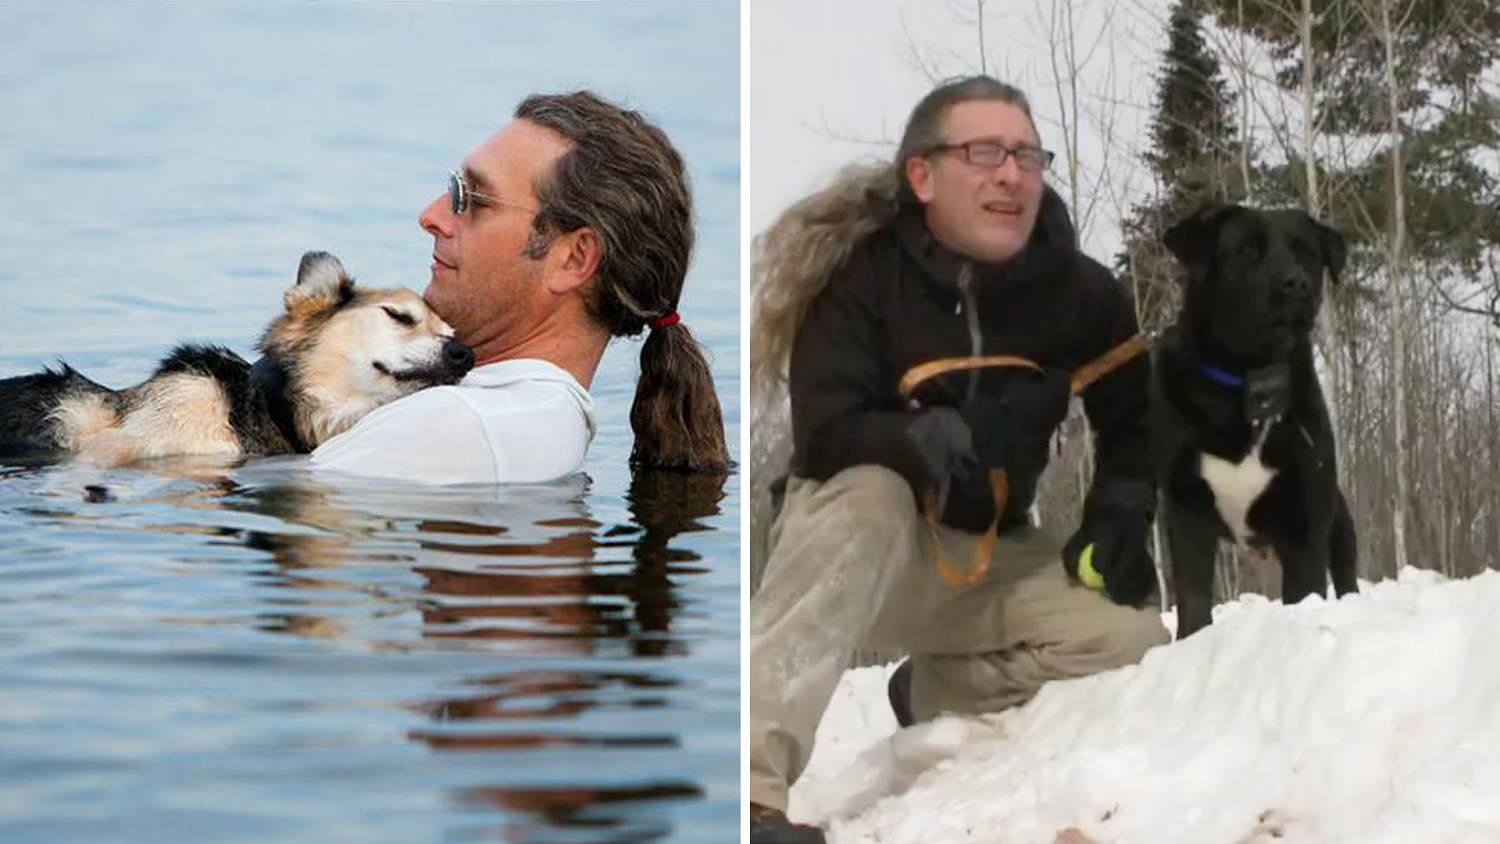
[(271, 378), (1226, 378), (1267, 390)]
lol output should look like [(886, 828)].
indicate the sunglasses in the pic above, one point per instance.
[(461, 197)]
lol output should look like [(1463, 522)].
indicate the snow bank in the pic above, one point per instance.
[(1373, 719)]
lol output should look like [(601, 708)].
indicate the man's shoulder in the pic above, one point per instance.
[(423, 403), (881, 244), (871, 257), (1105, 307), (1089, 271), (516, 370), (465, 410), (440, 411), (1093, 282), (518, 386)]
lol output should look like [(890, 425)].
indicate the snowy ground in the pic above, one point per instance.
[(1371, 719)]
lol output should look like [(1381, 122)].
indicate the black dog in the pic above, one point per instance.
[(1241, 440)]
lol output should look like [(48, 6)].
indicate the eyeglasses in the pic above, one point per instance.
[(461, 196), (986, 153)]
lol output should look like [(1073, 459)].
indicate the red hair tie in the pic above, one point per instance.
[(670, 319)]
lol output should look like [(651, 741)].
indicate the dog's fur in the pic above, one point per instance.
[(336, 353), (1254, 286)]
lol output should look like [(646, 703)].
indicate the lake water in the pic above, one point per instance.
[(253, 653)]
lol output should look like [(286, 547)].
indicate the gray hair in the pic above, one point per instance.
[(926, 126)]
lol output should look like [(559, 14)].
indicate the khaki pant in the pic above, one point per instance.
[(851, 568)]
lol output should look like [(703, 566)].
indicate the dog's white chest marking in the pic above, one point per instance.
[(1236, 485)]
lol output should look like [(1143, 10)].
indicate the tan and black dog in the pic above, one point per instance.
[(1241, 439), (336, 353)]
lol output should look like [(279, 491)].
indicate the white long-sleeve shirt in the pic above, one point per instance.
[(515, 421)]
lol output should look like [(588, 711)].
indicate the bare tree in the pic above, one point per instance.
[(1395, 257)]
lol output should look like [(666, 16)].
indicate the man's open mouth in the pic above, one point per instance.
[(1008, 209)]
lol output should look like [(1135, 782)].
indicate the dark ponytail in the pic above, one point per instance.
[(625, 181), (676, 416)]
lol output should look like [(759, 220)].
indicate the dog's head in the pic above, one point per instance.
[(1255, 278), (347, 350)]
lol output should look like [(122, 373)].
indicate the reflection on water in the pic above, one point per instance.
[(546, 662)]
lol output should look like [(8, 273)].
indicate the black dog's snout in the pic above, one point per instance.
[(1296, 286), (457, 356)]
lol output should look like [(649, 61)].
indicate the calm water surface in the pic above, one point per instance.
[(200, 652)]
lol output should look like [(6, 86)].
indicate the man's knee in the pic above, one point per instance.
[(1129, 635), (990, 682), (1089, 633), (871, 488)]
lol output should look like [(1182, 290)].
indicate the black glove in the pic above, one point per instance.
[(1012, 429), (945, 445), (943, 442), (1109, 550), (971, 504)]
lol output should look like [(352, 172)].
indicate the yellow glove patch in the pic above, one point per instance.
[(1086, 571)]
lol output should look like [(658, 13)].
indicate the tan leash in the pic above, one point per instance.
[(1107, 362), (979, 558), (922, 372)]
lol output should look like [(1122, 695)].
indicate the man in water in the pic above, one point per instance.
[(569, 226)]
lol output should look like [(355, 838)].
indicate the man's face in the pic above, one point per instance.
[(482, 282), (984, 212)]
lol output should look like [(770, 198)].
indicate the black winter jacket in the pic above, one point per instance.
[(897, 302)]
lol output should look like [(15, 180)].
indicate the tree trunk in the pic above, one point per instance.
[(1244, 105), (1493, 558), (1395, 255), (1309, 112), (1351, 462), (1441, 442), (1060, 32), (1328, 323)]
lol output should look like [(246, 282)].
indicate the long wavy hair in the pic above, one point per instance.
[(792, 261), (624, 179)]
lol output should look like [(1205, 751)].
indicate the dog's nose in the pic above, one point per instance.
[(457, 356), (1296, 286)]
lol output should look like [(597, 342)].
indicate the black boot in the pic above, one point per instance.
[(899, 691), (768, 826)]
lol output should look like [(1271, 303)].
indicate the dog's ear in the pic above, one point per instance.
[(321, 283), (1332, 241), (1192, 238)]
